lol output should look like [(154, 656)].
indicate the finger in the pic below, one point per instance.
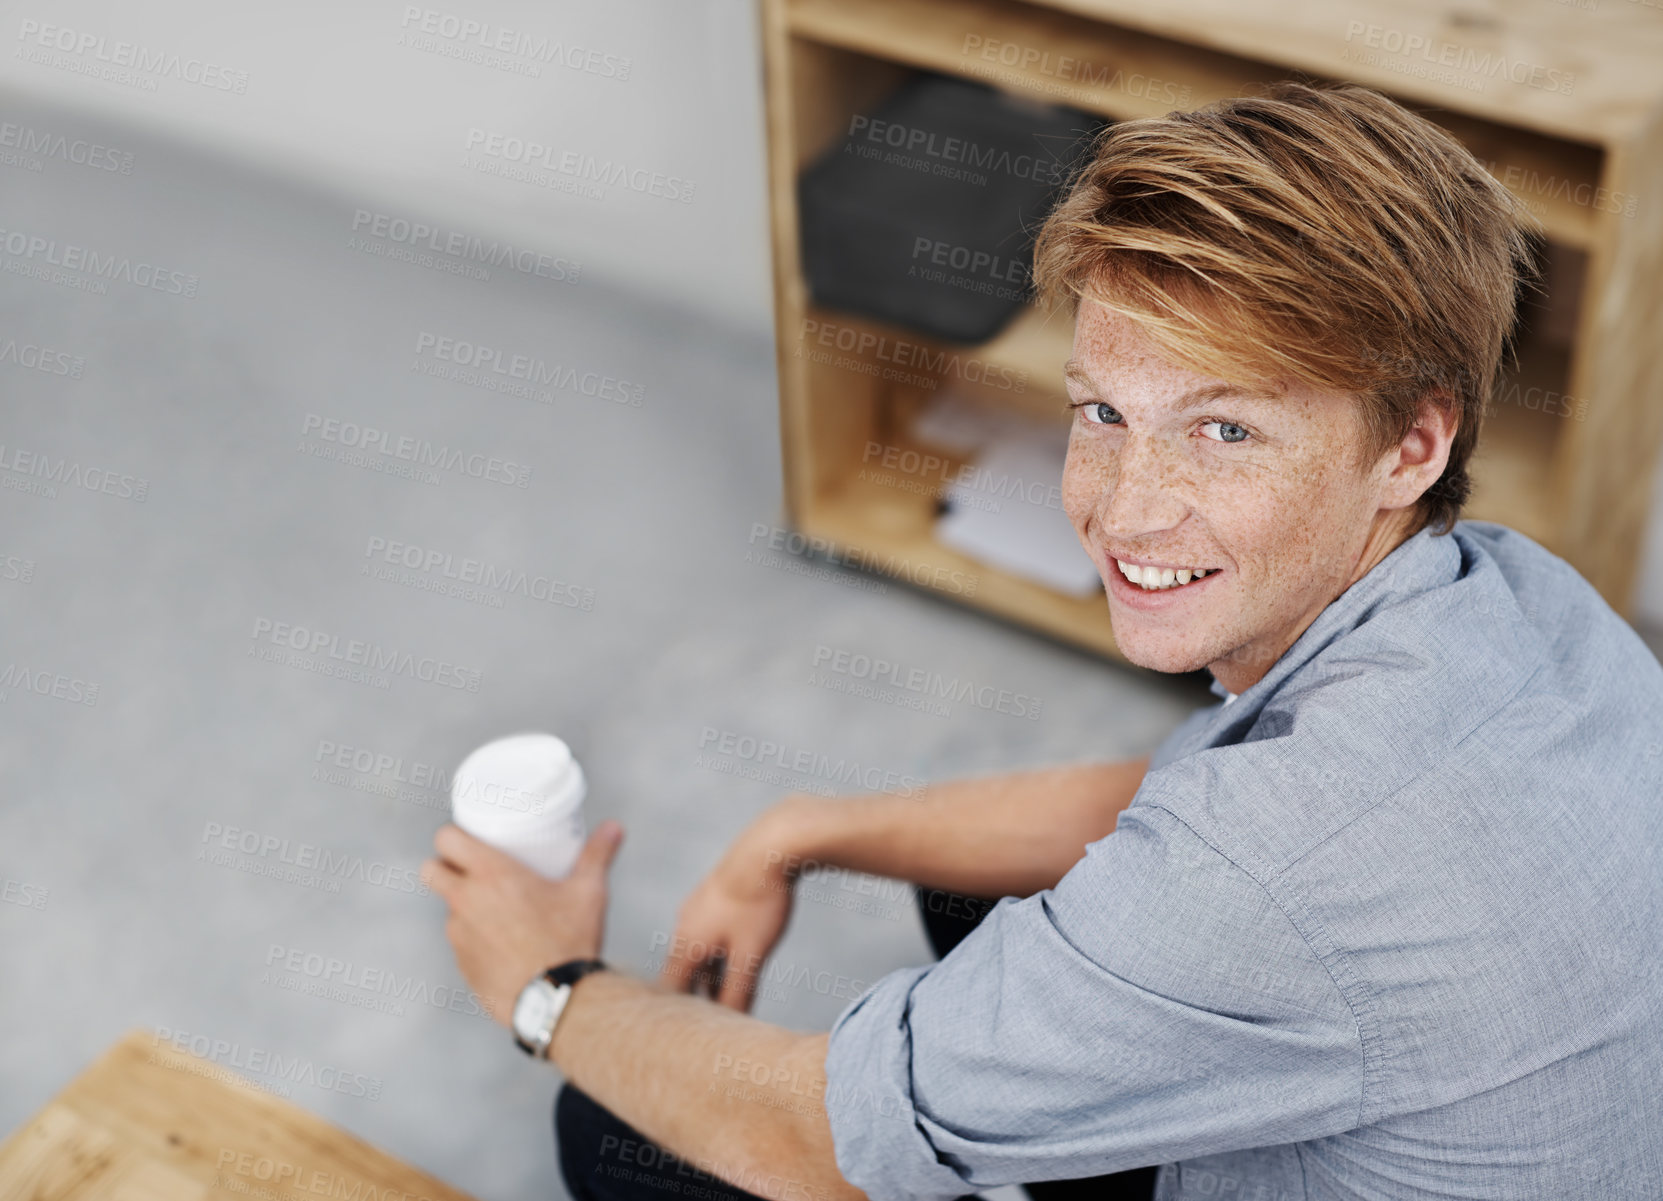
[(710, 974), (674, 974), (680, 965), (602, 847), (738, 989), (703, 965), (466, 853), (442, 878)]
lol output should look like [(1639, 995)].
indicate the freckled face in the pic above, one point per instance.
[(1173, 470)]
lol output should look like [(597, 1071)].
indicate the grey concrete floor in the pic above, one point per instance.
[(115, 922)]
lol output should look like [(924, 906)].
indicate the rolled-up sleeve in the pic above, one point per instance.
[(1156, 1005), (875, 1125)]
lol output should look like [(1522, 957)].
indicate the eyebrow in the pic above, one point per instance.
[(1193, 399)]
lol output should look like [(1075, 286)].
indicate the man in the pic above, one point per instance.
[(1385, 923)]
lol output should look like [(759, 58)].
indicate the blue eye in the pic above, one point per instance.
[(1227, 431), (1098, 413)]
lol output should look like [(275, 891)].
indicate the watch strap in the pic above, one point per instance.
[(572, 971), (562, 975)]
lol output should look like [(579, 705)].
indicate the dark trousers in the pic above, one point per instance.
[(604, 1159)]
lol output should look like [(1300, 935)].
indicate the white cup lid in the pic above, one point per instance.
[(521, 780)]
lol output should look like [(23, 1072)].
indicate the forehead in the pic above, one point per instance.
[(1107, 343), (1101, 335), (1112, 353)]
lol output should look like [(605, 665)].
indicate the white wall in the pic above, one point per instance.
[(331, 92), (1648, 607)]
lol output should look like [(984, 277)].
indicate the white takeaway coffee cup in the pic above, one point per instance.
[(524, 795)]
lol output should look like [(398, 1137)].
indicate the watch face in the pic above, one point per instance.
[(534, 1009)]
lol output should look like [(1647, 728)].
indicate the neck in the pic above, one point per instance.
[(1390, 529)]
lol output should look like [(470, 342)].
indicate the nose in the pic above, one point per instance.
[(1145, 490)]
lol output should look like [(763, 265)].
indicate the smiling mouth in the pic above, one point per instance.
[(1155, 579)]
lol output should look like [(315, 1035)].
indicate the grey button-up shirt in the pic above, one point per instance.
[(1388, 925)]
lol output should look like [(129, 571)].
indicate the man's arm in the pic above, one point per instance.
[(729, 1094), (992, 836), (733, 1096)]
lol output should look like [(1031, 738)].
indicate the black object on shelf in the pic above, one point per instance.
[(923, 215)]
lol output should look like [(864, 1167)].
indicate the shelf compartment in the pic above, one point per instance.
[(884, 523), (1123, 73)]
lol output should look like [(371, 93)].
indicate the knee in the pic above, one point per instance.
[(950, 916), (570, 1114), (584, 1133), (581, 1122)]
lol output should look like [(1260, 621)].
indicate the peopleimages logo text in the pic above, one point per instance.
[(308, 856), (291, 1069), (30, 141), (860, 666), (528, 152), (479, 571), (419, 451), (342, 974), (118, 53), (401, 231), (365, 654), (72, 257), (38, 465), (1042, 168), (525, 368), (32, 356), (47, 683), (841, 770), (536, 47)]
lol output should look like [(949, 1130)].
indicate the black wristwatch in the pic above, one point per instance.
[(543, 1001)]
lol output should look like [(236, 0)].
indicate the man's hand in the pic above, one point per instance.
[(507, 923), (736, 915)]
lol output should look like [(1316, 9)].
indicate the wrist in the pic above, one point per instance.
[(786, 834), (582, 992)]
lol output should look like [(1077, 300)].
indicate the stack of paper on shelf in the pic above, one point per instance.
[(1005, 506)]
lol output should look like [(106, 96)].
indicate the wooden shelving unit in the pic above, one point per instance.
[(1579, 138)]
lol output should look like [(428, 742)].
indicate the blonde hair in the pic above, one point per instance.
[(1321, 233)]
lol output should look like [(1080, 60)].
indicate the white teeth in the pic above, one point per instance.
[(1153, 579)]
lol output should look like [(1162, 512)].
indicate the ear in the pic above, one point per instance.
[(1416, 462)]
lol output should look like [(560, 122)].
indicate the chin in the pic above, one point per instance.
[(1162, 653)]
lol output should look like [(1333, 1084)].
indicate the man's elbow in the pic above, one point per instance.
[(796, 1160), (806, 1176)]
